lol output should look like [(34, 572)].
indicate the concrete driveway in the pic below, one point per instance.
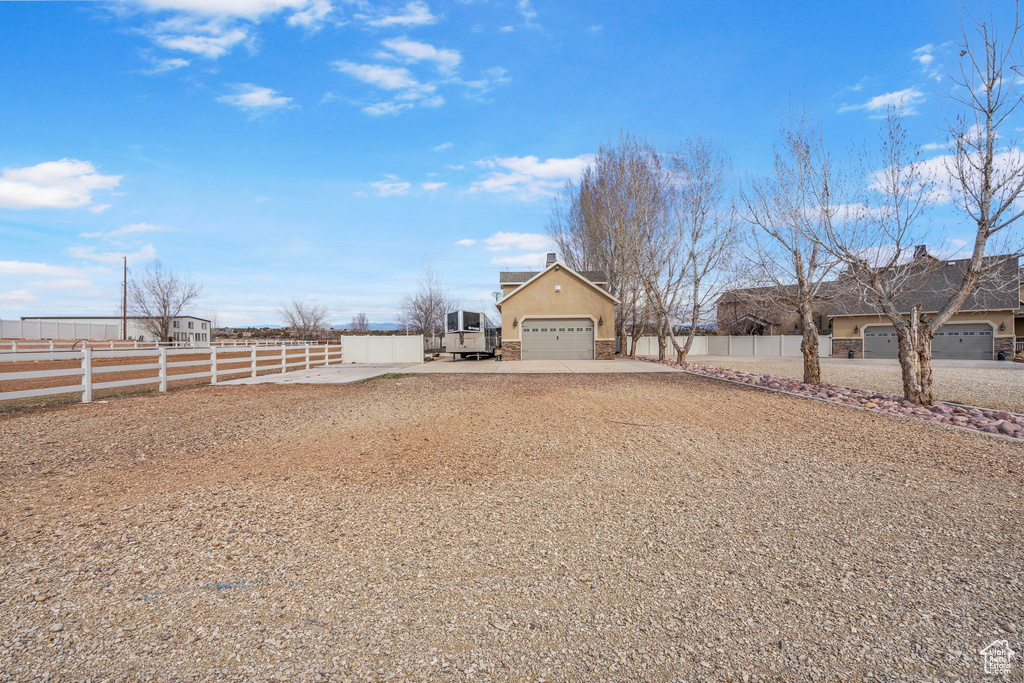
[(507, 367), (344, 374)]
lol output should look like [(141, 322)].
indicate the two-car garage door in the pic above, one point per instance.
[(963, 341), (558, 339)]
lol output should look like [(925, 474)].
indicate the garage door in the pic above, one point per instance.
[(965, 341), (554, 339)]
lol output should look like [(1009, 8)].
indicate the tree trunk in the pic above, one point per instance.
[(809, 345), (661, 342), (910, 363), (924, 372)]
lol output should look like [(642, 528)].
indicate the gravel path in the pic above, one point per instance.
[(432, 527), (985, 387)]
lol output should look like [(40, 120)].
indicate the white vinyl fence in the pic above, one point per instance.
[(381, 349), (787, 345), (53, 329), (214, 363)]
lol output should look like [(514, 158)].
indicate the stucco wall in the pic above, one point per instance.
[(842, 328), (540, 300)]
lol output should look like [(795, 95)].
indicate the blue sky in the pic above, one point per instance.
[(328, 149)]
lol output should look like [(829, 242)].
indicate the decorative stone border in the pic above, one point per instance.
[(969, 417)]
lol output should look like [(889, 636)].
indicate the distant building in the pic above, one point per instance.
[(184, 328)]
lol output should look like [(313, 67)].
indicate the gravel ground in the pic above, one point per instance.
[(983, 387), (512, 527)]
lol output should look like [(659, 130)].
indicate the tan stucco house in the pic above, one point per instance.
[(989, 322), (556, 314)]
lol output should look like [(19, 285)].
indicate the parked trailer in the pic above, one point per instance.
[(470, 333)]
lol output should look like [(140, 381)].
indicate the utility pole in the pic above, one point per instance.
[(124, 302)]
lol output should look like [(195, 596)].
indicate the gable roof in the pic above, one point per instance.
[(517, 277), (930, 285), (561, 265)]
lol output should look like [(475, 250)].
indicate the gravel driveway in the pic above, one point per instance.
[(523, 527), (999, 388)]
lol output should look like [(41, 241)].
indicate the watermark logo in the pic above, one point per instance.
[(998, 658)]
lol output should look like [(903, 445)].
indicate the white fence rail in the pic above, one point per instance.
[(57, 345), (750, 345), (215, 364), (378, 349)]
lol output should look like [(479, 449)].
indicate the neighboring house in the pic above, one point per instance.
[(989, 322), (185, 328), (767, 311), (556, 313)]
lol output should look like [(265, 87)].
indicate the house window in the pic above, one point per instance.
[(191, 325), (175, 323), (204, 326)]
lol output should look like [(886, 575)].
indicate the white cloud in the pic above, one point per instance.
[(521, 261), (391, 189), (931, 146), (165, 65), (45, 269), (465, 242), (99, 208), (133, 229), (529, 178), (429, 187), (445, 60), (416, 13), (907, 98), (256, 100), (443, 146), (527, 12), (523, 241), (595, 29), (923, 54), (18, 298), (507, 29), (386, 77), (64, 184), (409, 91), (247, 9), (215, 44), (89, 253), (313, 15)]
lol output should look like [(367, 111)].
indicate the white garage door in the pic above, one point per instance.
[(555, 339)]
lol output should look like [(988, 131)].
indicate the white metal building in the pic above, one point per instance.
[(185, 328)]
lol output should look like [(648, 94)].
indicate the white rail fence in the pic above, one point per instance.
[(216, 363), (378, 349), (57, 345), (783, 346)]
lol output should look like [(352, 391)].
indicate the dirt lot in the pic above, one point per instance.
[(999, 388), (523, 527)]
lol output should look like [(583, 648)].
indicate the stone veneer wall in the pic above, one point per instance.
[(1005, 344), (841, 347), (604, 349), (511, 350)]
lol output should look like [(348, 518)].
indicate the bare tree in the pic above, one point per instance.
[(424, 310), (708, 232), (303, 318), (785, 210), (599, 222), (360, 323), (158, 297)]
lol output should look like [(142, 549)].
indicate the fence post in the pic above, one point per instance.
[(86, 374), (14, 346), (254, 361), (284, 359), (51, 345), (213, 364), (163, 368), (307, 356)]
